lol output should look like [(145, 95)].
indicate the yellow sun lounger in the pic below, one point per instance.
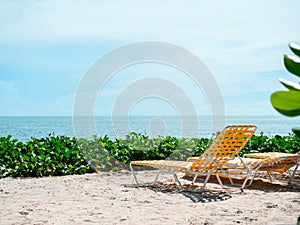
[(247, 167), (285, 161), (225, 147)]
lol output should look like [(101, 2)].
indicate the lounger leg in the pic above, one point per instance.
[(156, 178), (270, 177), (220, 181), (295, 170), (195, 178), (293, 174), (134, 175), (252, 179), (178, 181), (205, 181), (245, 182), (231, 182)]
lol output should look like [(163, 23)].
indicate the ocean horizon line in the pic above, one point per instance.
[(24, 127), (281, 116)]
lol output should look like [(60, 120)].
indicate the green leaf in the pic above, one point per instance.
[(286, 102), (289, 84), (295, 48), (292, 64), (296, 131)]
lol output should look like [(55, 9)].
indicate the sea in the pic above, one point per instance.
[(26, 127)]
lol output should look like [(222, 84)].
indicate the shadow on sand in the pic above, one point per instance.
[(190, 191)]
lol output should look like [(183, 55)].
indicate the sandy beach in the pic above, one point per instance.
[(111, 198)]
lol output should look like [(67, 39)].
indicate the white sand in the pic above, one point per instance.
[(103, 199)]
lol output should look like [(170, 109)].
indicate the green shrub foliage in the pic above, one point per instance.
[(61, 155), (97, 153), (141, 147), (51, 156)]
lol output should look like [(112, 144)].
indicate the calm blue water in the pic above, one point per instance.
[(23, 128)]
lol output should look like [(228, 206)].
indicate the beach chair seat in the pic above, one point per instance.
[(172, 167), (224, 147)]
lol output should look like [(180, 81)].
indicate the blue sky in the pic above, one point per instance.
[(46, 47)]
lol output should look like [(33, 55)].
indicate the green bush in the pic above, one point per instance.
[(263, 143), (60, 155), (50, 156), (188, 147), (97, 153), (141, 147)]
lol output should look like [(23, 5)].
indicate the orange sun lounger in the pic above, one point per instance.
[(285, 162), (225, 147)]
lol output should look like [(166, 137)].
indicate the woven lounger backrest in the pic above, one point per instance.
[(226, 145)]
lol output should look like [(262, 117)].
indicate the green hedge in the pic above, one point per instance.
[(61, 155), (54, 155)]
